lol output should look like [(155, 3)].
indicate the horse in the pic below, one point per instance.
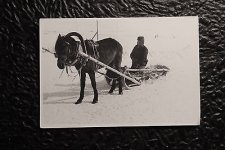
[(108, 51)]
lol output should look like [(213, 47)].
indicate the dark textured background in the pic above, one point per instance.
[(19, 84)]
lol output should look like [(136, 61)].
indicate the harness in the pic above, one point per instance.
[(94, 48), (73, 57), (95, 54)]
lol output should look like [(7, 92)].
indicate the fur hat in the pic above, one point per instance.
[(140, 38)]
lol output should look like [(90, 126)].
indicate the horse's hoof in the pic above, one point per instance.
[(110, 92), (78, 102), (120, 93), (94, 102)]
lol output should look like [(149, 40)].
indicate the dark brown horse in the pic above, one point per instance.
[(109, 51)]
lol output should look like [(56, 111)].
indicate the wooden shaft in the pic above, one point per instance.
[(47, 50), (136, 70), (108, 67), (97, 30)]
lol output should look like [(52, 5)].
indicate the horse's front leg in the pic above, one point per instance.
[(82, 86), (93, 83), (120, 85)]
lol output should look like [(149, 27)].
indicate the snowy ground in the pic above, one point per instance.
[(170, 100)]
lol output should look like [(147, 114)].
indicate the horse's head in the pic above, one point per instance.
[(66, 50)]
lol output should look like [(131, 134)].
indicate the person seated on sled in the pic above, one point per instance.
[(139, 54)]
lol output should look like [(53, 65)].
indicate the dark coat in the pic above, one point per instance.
[(139, 56)]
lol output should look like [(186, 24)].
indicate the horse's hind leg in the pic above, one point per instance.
[(93, 83), (118, 67), (113, 86), (120, 85), (82, 86)]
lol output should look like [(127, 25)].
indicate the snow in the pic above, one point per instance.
[(170, 100)]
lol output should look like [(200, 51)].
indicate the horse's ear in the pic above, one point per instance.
[(59, 36)]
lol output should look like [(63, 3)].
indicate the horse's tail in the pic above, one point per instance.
[(110, 76)]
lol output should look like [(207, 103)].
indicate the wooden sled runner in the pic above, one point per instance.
[(153, 72)]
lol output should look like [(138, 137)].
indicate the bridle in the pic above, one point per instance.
[(72, 51), (72, 54)]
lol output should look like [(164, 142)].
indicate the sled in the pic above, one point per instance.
[(149, 73)]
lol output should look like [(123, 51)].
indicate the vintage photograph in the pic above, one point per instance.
[(110, 72)]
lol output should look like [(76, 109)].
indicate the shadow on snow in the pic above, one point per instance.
[(73, 92)]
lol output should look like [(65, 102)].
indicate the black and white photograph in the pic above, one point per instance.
[(112, 72)]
